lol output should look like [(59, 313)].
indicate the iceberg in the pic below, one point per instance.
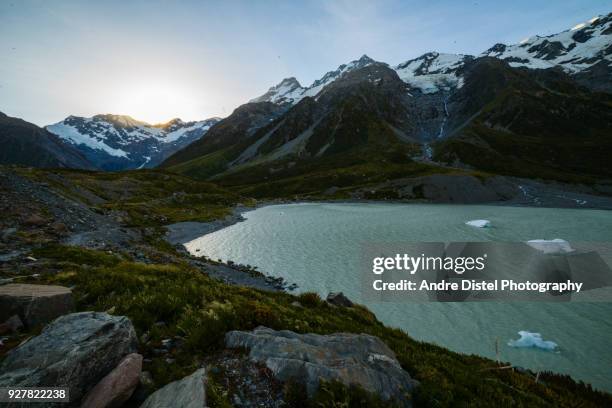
[(533, 340), (553, 246), (479, 223)]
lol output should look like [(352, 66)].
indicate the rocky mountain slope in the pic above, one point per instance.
[(118, 142), (26, 144), (530, 121)]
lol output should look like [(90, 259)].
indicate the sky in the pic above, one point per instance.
[(157, 60)]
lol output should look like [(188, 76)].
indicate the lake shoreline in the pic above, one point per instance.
[(181, 233)]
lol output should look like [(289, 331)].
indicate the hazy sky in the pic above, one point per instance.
[(156, 60)]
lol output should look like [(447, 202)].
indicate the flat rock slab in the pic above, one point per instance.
[(189, 392), (352, 359), (34, 304), (74, 351)]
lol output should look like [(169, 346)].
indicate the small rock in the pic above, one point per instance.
[(145, 337), (11, 325), (296, 304), (117, 386), (35, 220), (35, 304), (146, 378), (59, 227), (338, 299), (189, 392), (6, 234)]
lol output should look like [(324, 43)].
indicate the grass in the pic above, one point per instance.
[(143, 198), (167, 300)]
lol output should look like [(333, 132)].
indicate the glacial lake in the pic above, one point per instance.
[(317, 246)]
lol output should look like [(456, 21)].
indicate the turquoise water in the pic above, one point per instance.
[(317, 246)]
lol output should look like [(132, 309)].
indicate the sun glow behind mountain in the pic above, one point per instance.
[(155, 100)]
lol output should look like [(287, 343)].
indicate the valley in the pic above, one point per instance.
[(200, 258)]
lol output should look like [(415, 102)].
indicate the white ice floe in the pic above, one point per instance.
[(533, 340), (553, 246), (479, 223)]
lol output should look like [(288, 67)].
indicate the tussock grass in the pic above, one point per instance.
[(167, 300)]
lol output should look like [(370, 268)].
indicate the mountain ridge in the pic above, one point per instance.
[(118, 142), (572, 50), (367, 111), (24, 143)]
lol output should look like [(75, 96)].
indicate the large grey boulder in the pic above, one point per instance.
[(353, 359), (74, 351), (34, 304), (189, 392)]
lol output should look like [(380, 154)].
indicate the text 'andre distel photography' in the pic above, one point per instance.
[(307, 203)]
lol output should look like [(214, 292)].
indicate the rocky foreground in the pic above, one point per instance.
[(94, 355), (93, 298)]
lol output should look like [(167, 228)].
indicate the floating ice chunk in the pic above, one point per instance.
[(529, 339), (479, 223), (553, 246)]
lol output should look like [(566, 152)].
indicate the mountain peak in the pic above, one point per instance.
[(120, 120), (365, 59), (286, 91), (290, 81)]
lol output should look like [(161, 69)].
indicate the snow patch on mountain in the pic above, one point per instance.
[(433, 72), (71, 134), (201, 126), (288, 90), (573, 50)]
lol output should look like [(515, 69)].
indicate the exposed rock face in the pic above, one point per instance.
[(339, 299), (461, 189), (118, 385), (190, 392), (74, 351), (353, 359), (34, 304)]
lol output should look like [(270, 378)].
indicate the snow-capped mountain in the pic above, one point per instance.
[(573, 50), (585, 52), (499, 111), (289, 90), (117, 142)]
